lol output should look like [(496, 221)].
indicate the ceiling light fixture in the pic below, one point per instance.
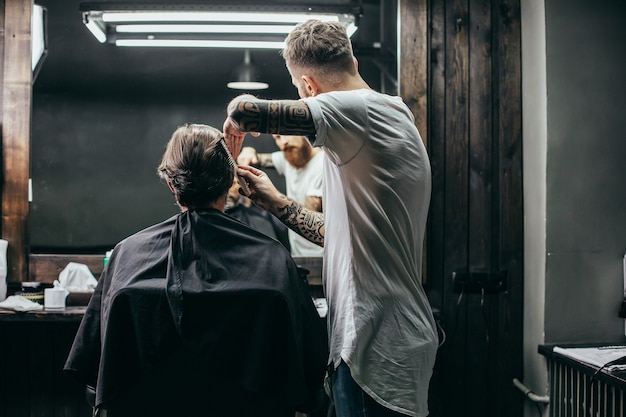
[(247, 76), (206, 26)]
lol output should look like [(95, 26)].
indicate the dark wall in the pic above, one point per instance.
[(586, 170), (94, 165)]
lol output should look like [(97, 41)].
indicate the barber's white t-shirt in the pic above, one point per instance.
[(300, 183), (376, 197)]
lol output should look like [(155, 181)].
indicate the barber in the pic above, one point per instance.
[(377, 177)]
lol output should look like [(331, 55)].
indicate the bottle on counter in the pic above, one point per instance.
[(107, 255), (33, 291), (3, 269)]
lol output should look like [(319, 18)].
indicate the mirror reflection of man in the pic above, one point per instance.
[(242, 209), (302, 166)]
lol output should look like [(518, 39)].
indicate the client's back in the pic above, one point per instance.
[(200, 315)]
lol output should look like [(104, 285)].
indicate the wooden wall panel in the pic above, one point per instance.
[(2, 19), (476, 215), (69, 394), (15, 373), (438, 284), (456, 183), (16, 111), (436, 148), (511, 233), (33, 382), (480, 107), (481, 215)]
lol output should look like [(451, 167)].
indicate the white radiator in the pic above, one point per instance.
[(576, 392)]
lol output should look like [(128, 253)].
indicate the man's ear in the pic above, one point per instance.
[(171, 187), (173, 190), (311, 86)]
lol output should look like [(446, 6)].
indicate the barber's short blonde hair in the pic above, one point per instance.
[(196, 165), (321, 46)]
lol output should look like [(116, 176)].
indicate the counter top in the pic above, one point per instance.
[(47, 267), (69, 314)]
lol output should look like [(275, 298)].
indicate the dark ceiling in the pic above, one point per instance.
[(77, 64)]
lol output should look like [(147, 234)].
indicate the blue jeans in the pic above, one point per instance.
[(350, 400)]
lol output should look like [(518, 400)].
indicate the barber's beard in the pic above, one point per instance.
[(231, 202), (298, 157)]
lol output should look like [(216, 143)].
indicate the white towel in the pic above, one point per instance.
[(19, 303), (77, 277)]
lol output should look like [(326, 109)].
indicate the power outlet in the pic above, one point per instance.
[(479, 281)]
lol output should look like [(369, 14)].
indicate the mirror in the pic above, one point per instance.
[(103, 114)]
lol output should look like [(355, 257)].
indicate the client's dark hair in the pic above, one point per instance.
[(196, 165)]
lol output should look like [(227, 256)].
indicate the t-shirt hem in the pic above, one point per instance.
[(379, 400)]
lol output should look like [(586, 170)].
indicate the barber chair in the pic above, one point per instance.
[(236, 355)]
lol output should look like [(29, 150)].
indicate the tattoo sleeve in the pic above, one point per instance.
[(307, 223), (285, 117)]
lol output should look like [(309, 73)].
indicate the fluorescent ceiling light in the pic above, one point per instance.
[(197, 16), (96, 31), (195, 28), (197, 43), (247, 85), (206, 26)]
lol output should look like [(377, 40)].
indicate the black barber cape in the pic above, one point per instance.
[(260, 220), (200, 311)]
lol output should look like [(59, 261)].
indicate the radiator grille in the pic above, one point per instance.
[(574, 394)]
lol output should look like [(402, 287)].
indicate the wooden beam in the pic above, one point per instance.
[(413, 73), (2, 19), (413, 60), (46, 268), (16, 115)]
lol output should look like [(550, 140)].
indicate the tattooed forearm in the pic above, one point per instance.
[(307, 223), (285, 117)]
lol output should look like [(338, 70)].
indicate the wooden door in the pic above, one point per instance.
[(472, 119)]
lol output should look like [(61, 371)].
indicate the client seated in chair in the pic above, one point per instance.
[(200, 315)]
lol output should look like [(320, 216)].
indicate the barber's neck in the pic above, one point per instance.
[(347, 83)]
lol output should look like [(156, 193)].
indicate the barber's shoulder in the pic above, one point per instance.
[(341, 99)]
